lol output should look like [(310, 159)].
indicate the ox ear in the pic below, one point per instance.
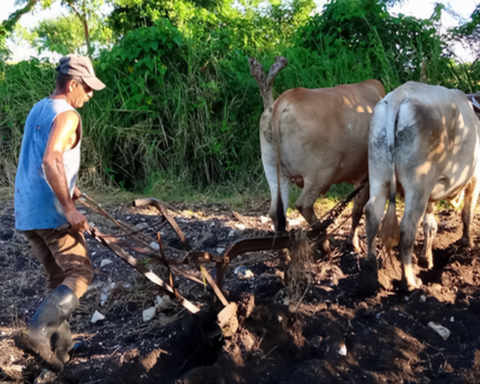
[(474, 98)]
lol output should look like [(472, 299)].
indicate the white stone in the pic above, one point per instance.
[(441, 330), (452, 319), (263, 219), (240, 226), (45, 377), (158, 301), (149, 314), (154, 245), (423, 298), (220, 250), (105, 262), (248, 274), (243, 272), (342, 351), (103, 299), (162, 302), (96, 317)]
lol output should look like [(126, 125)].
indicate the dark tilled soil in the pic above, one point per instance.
[(310, 325)]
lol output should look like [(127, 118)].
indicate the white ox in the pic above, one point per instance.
[(317, 137), (424, 139)]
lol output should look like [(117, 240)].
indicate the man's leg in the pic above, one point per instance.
[(40, 250), (69, 251)]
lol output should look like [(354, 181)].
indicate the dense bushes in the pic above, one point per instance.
[(181, 107)]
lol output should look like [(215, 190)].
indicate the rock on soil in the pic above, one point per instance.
[(329, 333)]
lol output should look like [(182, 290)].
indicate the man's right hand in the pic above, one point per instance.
[(77, 220)]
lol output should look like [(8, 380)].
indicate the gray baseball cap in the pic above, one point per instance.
[(80, 66)]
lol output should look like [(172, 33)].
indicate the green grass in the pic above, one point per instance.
[(197, 133)]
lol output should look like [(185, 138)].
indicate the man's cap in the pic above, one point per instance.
[(80, 66)]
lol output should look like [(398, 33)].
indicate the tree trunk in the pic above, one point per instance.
[(83, 19)]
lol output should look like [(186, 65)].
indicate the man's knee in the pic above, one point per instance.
[(81, 277)]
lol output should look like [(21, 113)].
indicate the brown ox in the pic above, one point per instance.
[(425, 138), (317, 137)]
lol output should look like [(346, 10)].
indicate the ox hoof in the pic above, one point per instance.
[(465, 242), (324, 247), (425, 262), (410, 285), (351, 246)]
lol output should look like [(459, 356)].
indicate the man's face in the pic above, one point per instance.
[(78, 94)]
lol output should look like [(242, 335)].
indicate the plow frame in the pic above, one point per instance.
[(315, 232)]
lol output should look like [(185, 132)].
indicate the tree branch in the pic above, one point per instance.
[(9, 23)]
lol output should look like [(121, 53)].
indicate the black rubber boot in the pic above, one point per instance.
[(53, 311), (62, 342)]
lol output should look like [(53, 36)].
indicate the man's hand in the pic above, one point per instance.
[(76, 194), (77, 220)]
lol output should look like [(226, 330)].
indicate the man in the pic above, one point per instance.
[(45, 195)]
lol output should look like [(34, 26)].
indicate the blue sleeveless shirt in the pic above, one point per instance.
[(36, 206)]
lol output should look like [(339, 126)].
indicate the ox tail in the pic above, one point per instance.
[(390, 230), (281, 224)]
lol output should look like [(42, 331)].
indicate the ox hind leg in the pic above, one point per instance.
[(429, 230), (374, 210), (471, 196), (358, 205), (306, 201), (415, 204), (271, 174), (368, 277), (305, 204)]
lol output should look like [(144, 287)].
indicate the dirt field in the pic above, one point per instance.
[(309, 325)]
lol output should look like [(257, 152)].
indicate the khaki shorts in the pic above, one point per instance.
[(64, 257)]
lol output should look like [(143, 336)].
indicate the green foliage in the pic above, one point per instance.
[(4, 52), (469, 32), (181, 107), (66, 34), (249, 27), (62, 35), (364, 31)]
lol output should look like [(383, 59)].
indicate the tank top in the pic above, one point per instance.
[(36, 206)]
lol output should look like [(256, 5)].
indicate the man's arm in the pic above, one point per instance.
[(64, 127)]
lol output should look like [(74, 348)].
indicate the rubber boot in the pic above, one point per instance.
[(53, 311), (62, 342)]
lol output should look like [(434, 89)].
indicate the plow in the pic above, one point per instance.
[(155, 249)]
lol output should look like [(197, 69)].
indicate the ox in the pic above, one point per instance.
[(318, 137), (424, 140)]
